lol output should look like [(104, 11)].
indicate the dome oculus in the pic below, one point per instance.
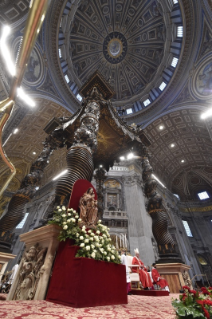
[(115, 47)]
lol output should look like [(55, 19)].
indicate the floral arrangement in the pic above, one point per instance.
[(93, 243), (194, 304)]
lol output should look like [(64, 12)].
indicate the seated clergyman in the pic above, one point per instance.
[(160, 281), (144, 275)]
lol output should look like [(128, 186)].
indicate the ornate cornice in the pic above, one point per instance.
[(197, 209)]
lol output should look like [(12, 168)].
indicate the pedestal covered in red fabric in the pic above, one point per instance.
[(85, 282)]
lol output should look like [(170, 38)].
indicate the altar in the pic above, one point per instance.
[(84, 282)]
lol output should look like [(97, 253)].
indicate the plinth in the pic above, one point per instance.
[(4, 259), (32, 277), (85, 282), (174, 273)]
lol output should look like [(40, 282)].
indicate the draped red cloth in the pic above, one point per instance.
[(161, 282), (144, 275), (85, 282)]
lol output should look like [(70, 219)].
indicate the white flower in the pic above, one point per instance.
[(83, 227), (112, 257), (99, 221), (69, 214), (69, 209), (64, 223), (77, 235), (98, 232), (83, 230), (64, 215), (59, 210), (120, 257), (91, 238), (58, 207), (97, 245), (65, 227), (68, 220), (87, 247), (105, 253), (108, 258), (76, 216), (73, 220), (82, 245), (63, 208), (79, 220), (108, 229), (92, 234), (92, 246), (104, 236), (81, 238), (86, 240), (89, 231), (93, 255), (112, 251)]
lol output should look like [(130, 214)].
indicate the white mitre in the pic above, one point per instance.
[(136, 251)]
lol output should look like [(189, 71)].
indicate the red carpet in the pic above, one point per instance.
[(139, 307), (150, 293)]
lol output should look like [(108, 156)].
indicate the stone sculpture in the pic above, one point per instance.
[(30, 272), (88, 209), (187, 279)]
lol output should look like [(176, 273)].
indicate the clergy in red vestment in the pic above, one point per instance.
[(158, 279), (144, 275)]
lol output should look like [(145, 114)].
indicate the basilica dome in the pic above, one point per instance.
[(135, 45)]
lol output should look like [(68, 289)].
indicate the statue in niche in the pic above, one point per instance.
[(30, 273), (88, 209)]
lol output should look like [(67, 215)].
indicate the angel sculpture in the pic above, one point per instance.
[(88, 209)]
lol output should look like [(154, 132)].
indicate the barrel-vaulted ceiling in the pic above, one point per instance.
[(181, 150), (136, 45)]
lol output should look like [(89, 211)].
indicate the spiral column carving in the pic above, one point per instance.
[(80, 154), (15, 211), (165, 242)]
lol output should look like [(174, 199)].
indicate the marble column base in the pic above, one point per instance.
[(4, 259), (176, 275), (47, 239)]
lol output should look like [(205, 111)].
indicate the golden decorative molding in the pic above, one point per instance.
[(197, 209)]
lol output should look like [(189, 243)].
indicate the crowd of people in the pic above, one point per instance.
[(149, 278)]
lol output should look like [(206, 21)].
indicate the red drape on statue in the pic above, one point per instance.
[(144, 275), (161, 282), (80, 187)]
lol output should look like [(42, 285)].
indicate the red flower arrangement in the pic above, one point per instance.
[(194, 304)]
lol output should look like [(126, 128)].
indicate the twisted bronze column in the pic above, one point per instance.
[(15, 211), (165, 242), (80, 154)]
